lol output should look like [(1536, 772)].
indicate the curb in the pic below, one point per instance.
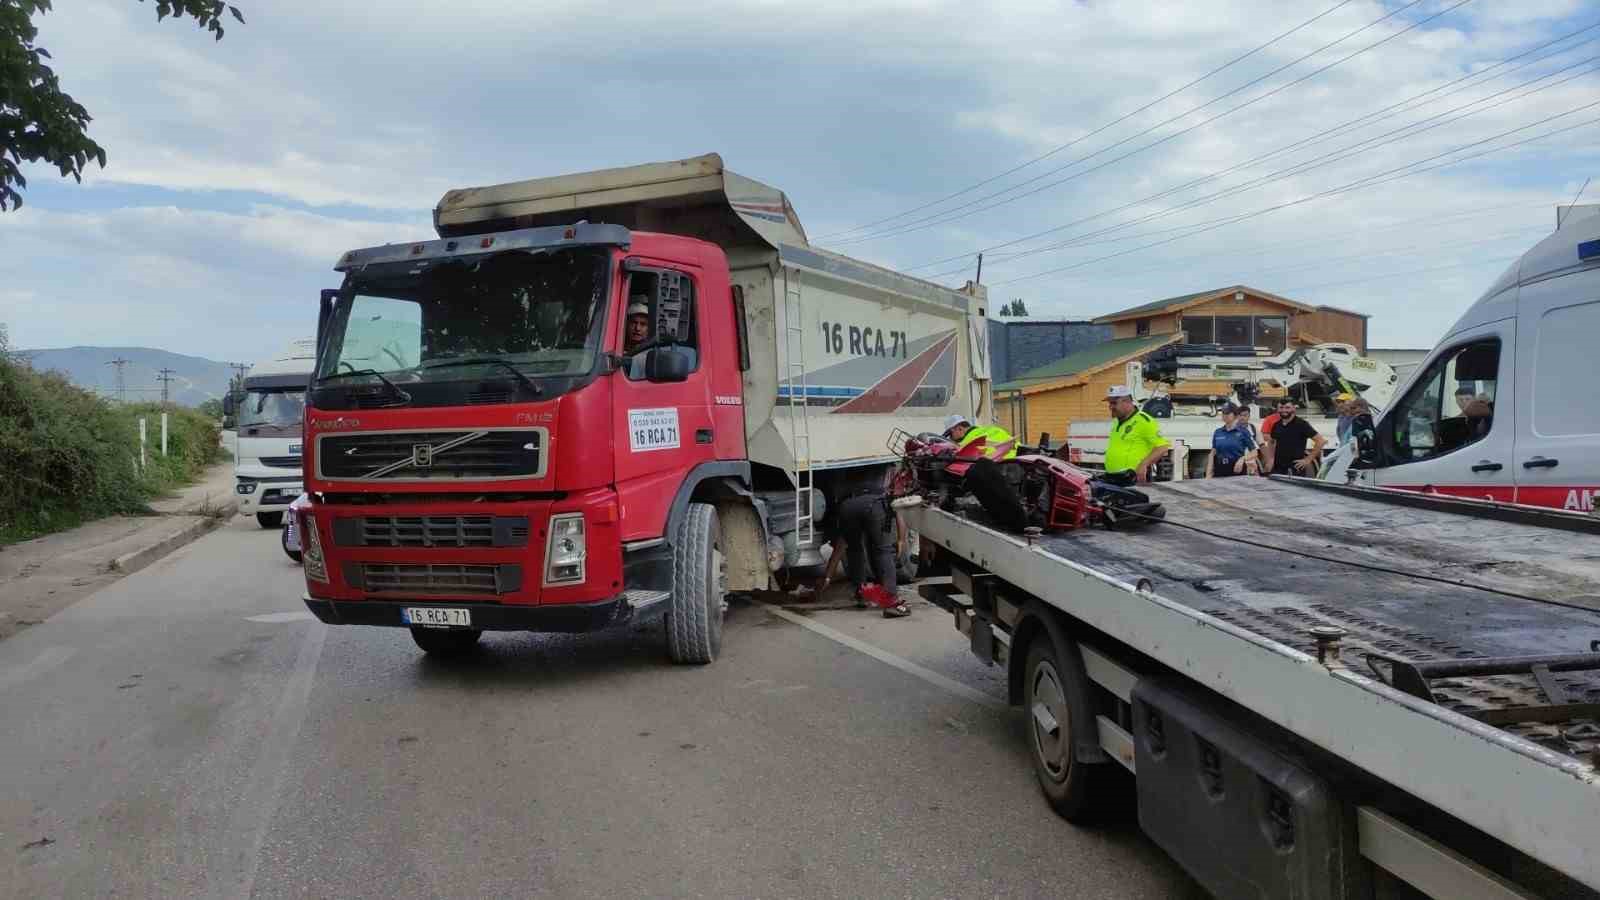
[(138, 559)]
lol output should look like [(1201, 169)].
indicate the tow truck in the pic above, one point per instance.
[(1319, 690)]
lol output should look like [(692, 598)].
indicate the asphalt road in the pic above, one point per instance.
[(188, 731)]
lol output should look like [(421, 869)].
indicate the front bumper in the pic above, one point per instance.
[(266, 494), (566, 618)]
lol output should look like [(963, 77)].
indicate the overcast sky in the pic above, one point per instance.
[(239, 171)]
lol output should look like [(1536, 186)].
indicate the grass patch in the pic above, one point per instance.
[(69, 457)]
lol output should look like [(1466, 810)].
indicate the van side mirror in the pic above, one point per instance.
[(1367, 454), (665, 365)]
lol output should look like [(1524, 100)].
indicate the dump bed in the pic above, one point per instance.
[(1437, 599), (850, 349)]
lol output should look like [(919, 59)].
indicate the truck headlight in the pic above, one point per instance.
[(311, 557), (566, 549)]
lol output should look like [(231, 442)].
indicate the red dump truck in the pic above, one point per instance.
[(487, 447)]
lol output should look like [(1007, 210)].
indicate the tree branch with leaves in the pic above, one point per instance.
[(41, 123)]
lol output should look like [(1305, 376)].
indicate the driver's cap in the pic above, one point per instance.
[(639, 305), (1118, 390)]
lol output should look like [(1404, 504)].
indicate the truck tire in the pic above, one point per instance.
[(1069, 785), (446, 642), (269, 519), (694, 617), (283, 538)]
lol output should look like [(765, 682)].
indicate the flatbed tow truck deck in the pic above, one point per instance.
[(1426, 655)]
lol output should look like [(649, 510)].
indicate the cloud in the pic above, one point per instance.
[(338, 118)]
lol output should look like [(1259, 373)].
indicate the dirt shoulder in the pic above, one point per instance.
[(41, 577)]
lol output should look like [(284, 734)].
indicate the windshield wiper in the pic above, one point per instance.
[(399, 394), (489, 361)]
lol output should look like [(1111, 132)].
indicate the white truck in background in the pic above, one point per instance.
[(270, 410), (1311, 376), (1504, 408)]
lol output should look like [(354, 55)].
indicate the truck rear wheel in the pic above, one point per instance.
[(446, 642), (1068, 784), (699, 587)]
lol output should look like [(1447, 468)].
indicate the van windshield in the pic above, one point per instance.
[(470, 318)]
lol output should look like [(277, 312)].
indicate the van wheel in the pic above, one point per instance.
[(283, 539), (269, 519), (446, 642), (1068, 784), (699, 588)]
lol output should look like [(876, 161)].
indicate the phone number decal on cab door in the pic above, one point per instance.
[(653, 429)]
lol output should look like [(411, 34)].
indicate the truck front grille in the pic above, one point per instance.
[(430, 531), (482, 455), (438, 580)]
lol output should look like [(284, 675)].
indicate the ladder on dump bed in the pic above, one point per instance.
[(794, 353)]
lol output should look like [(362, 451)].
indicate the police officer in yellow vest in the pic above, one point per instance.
[(1136, 443), (998, 444)]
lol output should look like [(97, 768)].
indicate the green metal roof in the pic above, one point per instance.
[(1089, 359)]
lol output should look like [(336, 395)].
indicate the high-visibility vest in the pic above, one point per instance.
[(998, 442)]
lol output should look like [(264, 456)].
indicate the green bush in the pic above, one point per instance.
[(69, 456)]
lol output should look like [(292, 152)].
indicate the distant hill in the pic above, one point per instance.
[(194, 380)]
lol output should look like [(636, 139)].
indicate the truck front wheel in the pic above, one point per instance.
[(269, 519), (1067, 783), (699, 586), (446, 642)]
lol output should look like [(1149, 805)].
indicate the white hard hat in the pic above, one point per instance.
[(1118, 390), (955, 419)]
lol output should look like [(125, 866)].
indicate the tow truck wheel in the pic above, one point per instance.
[(446, 642), (269, 519), (699, 582), (1066, 783)]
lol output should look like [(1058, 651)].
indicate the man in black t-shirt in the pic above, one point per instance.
[(1286, 444)]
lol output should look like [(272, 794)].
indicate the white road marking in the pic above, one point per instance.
[(48, 659), (884, 656), (279, 618), (258, 801)]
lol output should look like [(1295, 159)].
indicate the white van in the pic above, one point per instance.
[(1505, 407)]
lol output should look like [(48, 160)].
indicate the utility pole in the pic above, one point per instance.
[(165, 377), (238, 379), (122, 384)]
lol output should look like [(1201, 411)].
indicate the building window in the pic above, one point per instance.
[(1141, 327), (1272, 332), (1234, 331), (1199, 329)]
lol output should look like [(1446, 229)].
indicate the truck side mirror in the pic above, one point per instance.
[(665, 364), (324, 316), (229, 405)]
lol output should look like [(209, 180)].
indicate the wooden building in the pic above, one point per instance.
[(1241, 316), (1073, 388)]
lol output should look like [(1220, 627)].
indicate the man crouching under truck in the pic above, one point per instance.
[(863, 524)]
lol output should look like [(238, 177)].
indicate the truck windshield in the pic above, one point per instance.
[(538, 312), (272, 408)]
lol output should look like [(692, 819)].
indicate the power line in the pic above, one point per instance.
[(1115, 122), (934, 220), (1390, 275), (1350, 124), (1301, 168), (1371, 181)]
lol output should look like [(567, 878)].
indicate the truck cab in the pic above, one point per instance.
[(605, 398), (270, 410), (1503, 408)]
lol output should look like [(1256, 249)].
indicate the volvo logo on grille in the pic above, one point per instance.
[(422, 455)]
